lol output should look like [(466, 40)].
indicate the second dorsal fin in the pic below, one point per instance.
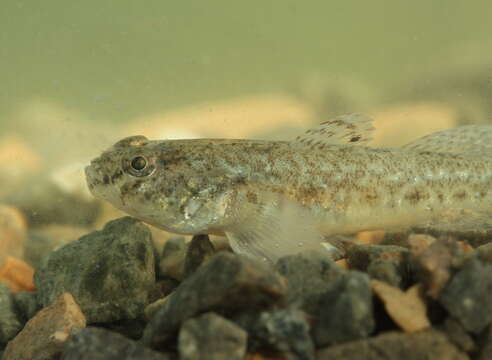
[(463, 139), (352, 129)]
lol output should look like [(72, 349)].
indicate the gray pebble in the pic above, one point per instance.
[(308, 275), (283, 331), (346, 311), (211, 337), (429, 344), (200, 250), (171, 264), (110, 272), (227, 282), (100, 344), (10, 324), (467, 295), (26, 304)]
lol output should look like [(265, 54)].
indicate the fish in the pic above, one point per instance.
[(277, 198)]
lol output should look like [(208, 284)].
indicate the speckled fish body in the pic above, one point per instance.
[(273, 198)]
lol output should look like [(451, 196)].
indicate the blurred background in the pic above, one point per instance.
[(77, 76)]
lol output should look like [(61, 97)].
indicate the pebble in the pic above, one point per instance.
[(171, 263), (44, 335), (211, 337), (458, 336), (387, 271), (429, 344), (346, 310), (10, 324), (285, 332), (228, 282), (100, 344), (111, 272), (26, 304), (16, 274), (467, 295), (13, 232), (407, 308), (42, 241), (308, 276), (199, 251), (433, 264), (360, 256), (485, 351)]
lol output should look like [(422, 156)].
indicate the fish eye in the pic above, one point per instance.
[(139, 163), (138, 166)]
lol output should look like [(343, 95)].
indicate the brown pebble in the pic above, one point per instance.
[(419, 242), (434, 265), (44, 335), (407, 309), (17, 275), (342, 263), (370, 237)]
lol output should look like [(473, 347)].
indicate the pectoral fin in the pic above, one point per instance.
[(272, 227)]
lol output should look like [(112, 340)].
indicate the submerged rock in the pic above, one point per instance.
[(210, 336), (282, 331), (26, 304), (109, 272), (309, 275), (429, 344), (362, 255), (467, 295), (100, 344), (171, 263), (200, 250), (10, 324), (387, 271), (226, 283), (433, 265), (44, 335), (346, 310), (458, 336)]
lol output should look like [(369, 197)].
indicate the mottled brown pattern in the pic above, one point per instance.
[(350, 184)]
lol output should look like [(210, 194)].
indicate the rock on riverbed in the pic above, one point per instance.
[(426, 298)]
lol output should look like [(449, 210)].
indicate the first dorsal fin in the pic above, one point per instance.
[(463, 139), (352, 129)]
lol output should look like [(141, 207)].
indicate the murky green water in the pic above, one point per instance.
[(115, 60)]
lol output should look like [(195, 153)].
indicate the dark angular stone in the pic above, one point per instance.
[(309, 275), (485, 345), (467, 295), (10, 324), (210, 336), (100, 344), (429, 344), (110, 272), (226, 283), (171, 263), (361, 256), (346, 311), (26, 304), (387, 271), (199, 251), (284, 331), (484, 252), (458, 336)]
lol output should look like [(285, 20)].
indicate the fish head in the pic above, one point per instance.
[(163, 183)]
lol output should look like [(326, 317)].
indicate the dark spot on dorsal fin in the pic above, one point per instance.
[(355, 138)]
